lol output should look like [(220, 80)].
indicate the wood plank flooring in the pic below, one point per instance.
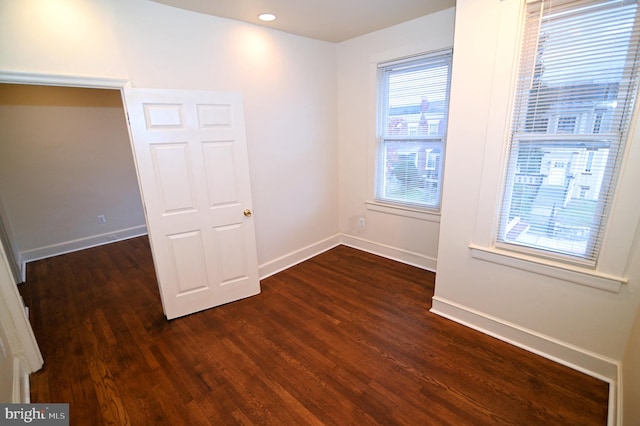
[(345, 338)]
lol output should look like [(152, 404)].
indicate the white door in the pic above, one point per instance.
[(191, 158)]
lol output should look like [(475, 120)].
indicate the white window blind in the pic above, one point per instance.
[(413, 105), (575, 93)]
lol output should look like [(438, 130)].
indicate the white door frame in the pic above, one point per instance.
[(13, 77), (30, 351)]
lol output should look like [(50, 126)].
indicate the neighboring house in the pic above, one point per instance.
[(570, 174), (418, 168)]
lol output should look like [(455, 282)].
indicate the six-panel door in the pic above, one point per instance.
[(191, 158)]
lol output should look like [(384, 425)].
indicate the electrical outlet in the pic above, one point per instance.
[(102, 219), (362, 222)]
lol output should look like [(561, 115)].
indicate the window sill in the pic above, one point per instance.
[(414, 213), (570, 273)]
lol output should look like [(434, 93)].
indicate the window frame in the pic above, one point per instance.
[(557, 128), (609, 275), (428, 140)]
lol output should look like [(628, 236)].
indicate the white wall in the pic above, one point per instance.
[(65, 159), (631, 376), (578, 324), (391, 232), (288, 84), (631, 360)]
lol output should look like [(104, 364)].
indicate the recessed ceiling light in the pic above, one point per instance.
[(267, 17)]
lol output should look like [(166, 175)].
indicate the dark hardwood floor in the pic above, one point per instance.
[(345, 338)]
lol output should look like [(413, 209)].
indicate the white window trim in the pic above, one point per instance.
[(399, 54), (548, 268), (406, 211), (610, 271)]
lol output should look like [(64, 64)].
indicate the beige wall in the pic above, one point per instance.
[(65, 158)]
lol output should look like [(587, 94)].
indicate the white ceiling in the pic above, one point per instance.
[(329, 20)]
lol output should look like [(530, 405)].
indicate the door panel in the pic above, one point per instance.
[(230, 244), (190, 271), (173, 177), (191, 158), (218, 157)]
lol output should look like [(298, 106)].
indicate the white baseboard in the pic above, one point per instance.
[(299, 256), (79, 244), (280, 264), (393, 253), (572, 356), (595, 365)]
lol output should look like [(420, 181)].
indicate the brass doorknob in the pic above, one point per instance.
[(247, 213)]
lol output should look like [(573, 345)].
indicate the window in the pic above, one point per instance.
[(578, 69), (567, 124), (413, 105), (583, 191), (597, 122), (587, 167)]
